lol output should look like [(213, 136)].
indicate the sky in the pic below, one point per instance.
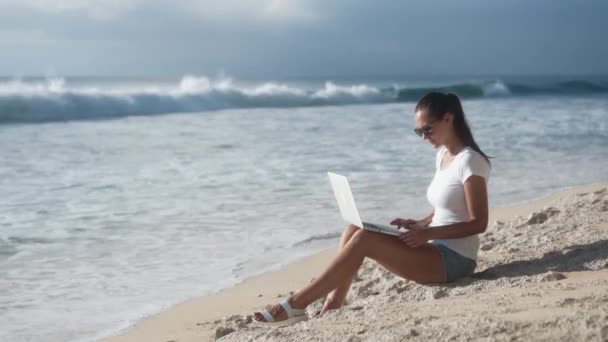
[(273, 39)]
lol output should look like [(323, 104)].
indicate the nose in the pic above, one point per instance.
[(425, 137)]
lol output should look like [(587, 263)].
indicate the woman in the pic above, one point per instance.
[(439, 248)]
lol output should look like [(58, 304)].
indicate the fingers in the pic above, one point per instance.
[(408, 224), (405, 237), (410, 239)]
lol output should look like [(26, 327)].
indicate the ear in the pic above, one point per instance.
[(448, 117)]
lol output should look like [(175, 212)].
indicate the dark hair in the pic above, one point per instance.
[(437, 104)]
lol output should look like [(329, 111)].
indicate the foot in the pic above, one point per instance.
[(276, 311), (331, 304)]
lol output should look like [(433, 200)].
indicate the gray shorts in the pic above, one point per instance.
[(455, 265)]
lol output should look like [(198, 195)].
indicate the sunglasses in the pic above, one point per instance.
[(426, 129)]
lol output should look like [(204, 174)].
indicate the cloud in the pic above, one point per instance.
[(96, 9), (254, 10), (209, 10), (30, 36), (305, 38), (291, 9)]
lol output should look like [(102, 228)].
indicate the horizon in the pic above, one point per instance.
[(344, 77)]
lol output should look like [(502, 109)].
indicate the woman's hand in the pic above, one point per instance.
[(408, 224), (414, 238)]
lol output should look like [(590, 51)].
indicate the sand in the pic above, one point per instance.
[(542, 275)]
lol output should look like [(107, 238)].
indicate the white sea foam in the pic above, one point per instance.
[(497, 88), (54, 99), (59, 99)]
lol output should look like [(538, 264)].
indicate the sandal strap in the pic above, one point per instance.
[(291, 312), (267, 315)]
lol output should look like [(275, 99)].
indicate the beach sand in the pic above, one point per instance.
[(542, 275)]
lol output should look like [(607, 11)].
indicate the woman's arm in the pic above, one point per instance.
[(476, 195), (424, 223)]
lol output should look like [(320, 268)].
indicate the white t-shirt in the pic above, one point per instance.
[(446, 195)]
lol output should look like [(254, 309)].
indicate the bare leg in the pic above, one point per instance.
[(336, 298), (422, 264)]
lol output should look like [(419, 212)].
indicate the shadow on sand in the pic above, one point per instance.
[(574, 258)]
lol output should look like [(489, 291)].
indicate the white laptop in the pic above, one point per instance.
[(348, 209)]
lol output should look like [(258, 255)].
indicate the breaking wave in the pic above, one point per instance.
[(499, 88), (54, 100)]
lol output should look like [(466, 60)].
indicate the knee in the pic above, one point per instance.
[(348, 232), (351, 228), (360, 237), (362, 241), (366, 243)]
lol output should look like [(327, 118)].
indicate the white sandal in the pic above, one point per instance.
[(293, 316)]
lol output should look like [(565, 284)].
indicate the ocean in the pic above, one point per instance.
[(122, 197)]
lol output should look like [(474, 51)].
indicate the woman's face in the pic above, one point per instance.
[(432, 130)]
